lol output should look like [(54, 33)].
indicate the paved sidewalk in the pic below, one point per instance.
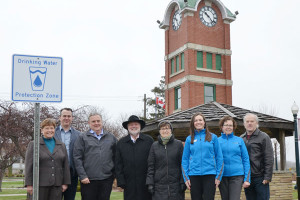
[(11, 180), (11, 195)]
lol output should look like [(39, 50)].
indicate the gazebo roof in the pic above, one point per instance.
[(213, 112)]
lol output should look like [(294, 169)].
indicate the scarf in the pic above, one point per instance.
[(165, 140)]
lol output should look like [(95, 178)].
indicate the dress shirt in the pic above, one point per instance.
[(95, 134), (66, 139), (134, 140)]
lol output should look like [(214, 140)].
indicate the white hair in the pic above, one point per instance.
[(252, 115), (93, 114)]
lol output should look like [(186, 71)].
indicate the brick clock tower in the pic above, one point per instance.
[(197, 53)]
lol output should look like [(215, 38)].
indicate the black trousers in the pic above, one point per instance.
[(70, 193), (257, 190), (97, 190), (231, 187), (203, 187), (49, 193)]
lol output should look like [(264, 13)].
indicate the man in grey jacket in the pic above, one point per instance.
[(68, 135), (260, 152), (94, 155)]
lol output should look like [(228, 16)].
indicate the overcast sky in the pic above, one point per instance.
[(113, 51)]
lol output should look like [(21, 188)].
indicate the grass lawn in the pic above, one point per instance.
[(295, 194), (13, 198), (113, 196), (18, 184), (9, 183), (13, 184)]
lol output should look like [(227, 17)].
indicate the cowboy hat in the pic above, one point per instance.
[(133, 118)]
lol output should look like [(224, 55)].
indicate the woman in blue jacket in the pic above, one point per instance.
[(236, 161), (202, 160)]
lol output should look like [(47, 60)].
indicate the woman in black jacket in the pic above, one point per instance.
[(164, 178)]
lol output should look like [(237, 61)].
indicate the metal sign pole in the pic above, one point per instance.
[(36, 151)]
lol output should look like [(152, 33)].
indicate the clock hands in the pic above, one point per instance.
[(176, 21), (208, 16)]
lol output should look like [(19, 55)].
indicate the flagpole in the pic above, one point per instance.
[(156, 102), (145, 101)]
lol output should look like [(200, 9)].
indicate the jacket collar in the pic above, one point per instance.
[(225, 136), (43, 145), (91, 134), (160, 140), (141, 136), (58, 128), (58, 132), (256, 132), (57, 142), (200, 132)]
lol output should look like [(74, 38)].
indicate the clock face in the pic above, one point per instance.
[(208, 16), (176, 22)]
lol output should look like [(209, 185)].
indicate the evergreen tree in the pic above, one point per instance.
[(156, 111)]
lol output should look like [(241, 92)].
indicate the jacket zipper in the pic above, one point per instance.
[(201, 156), (227, 151), (167, 170)]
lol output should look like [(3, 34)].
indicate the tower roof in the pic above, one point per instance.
[(191, 5)]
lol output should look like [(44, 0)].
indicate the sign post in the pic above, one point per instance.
[(36, 79), (36, 150)]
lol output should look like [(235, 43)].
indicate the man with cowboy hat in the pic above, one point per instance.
[(131, 160)]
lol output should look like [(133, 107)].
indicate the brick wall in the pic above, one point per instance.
[(192, 30), (192, 94)]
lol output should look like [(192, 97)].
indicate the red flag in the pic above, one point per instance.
[(160, 103)]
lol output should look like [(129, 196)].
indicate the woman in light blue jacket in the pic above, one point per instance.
[(236, 161), (202, 160)]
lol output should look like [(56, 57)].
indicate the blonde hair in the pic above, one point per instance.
[(48, 122)]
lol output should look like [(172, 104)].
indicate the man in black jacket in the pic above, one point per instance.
[(131, 160), (261, 159)]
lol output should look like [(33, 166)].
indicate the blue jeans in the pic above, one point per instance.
[(70, 193), (257, 190)]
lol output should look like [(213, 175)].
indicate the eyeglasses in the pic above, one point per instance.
[(228, 125), (164, 129)]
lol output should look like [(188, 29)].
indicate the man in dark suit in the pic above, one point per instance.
[(131, 160), (68, 136)]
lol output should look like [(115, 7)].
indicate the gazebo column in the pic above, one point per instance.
[(282, 149)]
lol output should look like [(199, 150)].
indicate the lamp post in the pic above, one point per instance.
[(295, 110)]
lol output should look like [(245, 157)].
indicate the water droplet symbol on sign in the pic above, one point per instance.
[(37, 82)]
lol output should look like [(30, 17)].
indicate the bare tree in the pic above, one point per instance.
[(13, 135), (17, 125), (80, 120), (16, 131)]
